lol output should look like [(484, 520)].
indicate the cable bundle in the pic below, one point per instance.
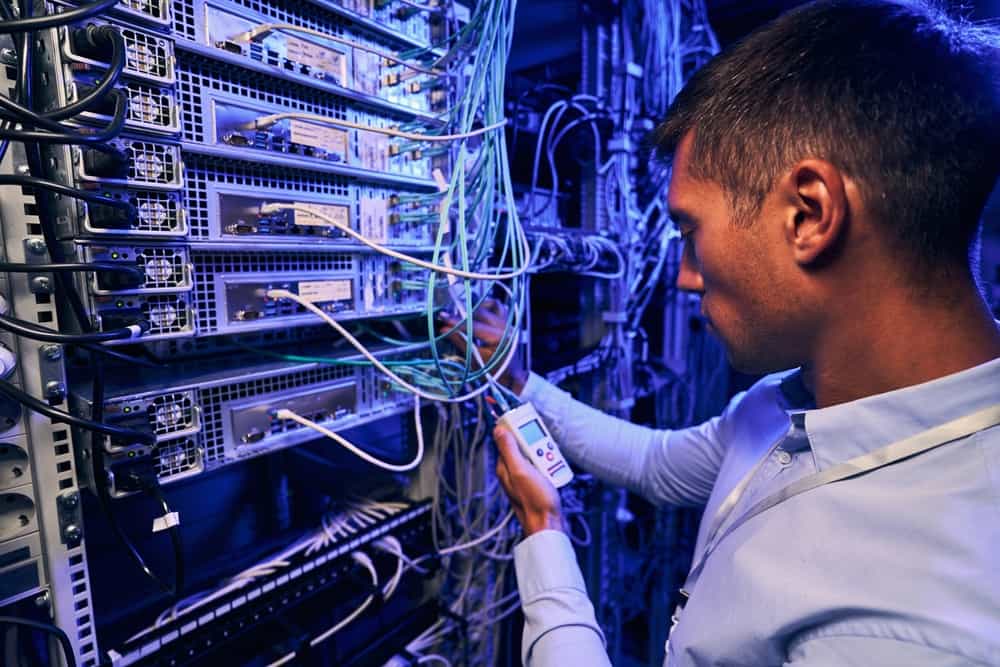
[(26, 127)]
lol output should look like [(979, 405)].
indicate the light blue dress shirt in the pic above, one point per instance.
[(897, 567)]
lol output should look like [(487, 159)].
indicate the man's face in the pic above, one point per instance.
[(739, 270)]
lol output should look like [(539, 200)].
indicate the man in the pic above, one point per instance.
[(829, 175)]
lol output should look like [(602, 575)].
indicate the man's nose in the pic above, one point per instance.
[(689, 277)]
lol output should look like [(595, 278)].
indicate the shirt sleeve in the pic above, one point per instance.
[(666, 467), (857, 651), (559, 623)]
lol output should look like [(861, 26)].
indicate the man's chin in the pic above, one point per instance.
[(751, 364)]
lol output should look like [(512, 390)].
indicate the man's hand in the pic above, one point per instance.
[(534, 499), (488, 324)]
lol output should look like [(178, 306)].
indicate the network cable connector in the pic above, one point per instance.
[(256, 117), (277, 217), (232, 288), (318, 47), (133, 162), (245, 128), (174, 418), (148, 56), (158, 215), (213, 413), (298, 587), (152, 108), (236, 30), (169, 315), (159, 268)]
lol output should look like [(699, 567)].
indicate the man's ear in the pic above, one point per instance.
[(817, 210)]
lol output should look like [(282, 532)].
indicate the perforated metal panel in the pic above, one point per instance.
[(167, 314), (210, 264), (147, 54), (154, 11), (178, 458), (197, 74), (153, 163), (152, 107), (172, 413), (211, 401), (200, 171)]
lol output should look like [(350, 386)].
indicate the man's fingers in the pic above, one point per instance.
[(495, 307), (509, 451), (488, 335), (490, 316), (456, 337), (504, 476)]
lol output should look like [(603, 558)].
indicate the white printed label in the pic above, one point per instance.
[(374, 150), (325, 290), (318, 57), (339, 214), (329, 139), (374, 221)]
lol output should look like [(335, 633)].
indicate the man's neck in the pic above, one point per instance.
[(900, 344)]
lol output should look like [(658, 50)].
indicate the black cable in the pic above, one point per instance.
[(36, 169), (61, 417), (106, 84), (59, 634), (23, 91), (74, 267), (102, 483), (59, 188), (32, 23), (114, 354), (153, 488), (63, 135), (30, 330)]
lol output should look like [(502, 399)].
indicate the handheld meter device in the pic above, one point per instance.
[(535, 442)]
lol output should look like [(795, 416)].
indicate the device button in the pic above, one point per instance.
[(551, 446), (539, 452), (550, 456)]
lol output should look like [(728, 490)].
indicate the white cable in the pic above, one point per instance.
[(287, 658), (479, 540), (285, 413), (433, 657), (362, 559), (332, 222), (366, 562), (391, 545), (265, 28), (265, 122), (311, 307)]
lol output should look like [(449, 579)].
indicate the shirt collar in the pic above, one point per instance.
[(843, 431)]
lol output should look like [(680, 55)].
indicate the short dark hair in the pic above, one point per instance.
[(902, 97)]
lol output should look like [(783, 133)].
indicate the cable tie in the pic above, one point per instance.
[(166, 522)]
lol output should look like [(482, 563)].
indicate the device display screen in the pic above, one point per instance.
[(532, 431)]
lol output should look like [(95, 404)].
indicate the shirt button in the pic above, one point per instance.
[(784, 458)]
